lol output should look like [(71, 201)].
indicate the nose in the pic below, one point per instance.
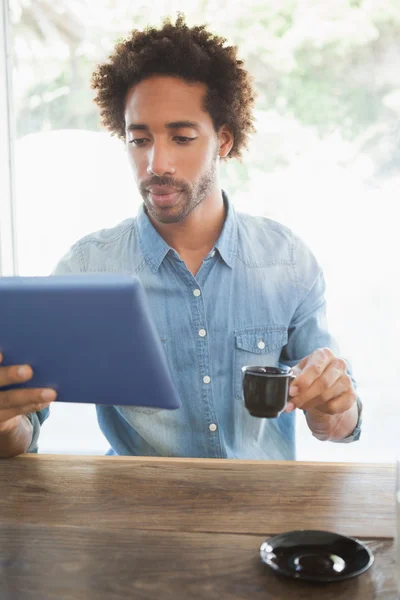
[(160, 161)]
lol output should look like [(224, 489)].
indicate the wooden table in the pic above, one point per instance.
[(80, 528)]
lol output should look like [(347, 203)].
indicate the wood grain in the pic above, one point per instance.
[(85, 563), (198, 495)]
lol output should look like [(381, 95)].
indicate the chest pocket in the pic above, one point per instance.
[(260, 346)]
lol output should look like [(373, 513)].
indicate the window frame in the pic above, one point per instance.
[(8, 250)]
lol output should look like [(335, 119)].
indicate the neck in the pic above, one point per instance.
[(199, 231)]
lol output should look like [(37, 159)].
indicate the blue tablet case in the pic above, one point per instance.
[(89, 336)]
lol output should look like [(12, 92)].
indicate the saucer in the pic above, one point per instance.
[(316, 555)]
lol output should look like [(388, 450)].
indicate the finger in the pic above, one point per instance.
[(289, 407), (296, 371), (321, 386), (314, 367), (6, 415), (339, 405), (311, 368), (23, 397), (341, 386), (15, 374)]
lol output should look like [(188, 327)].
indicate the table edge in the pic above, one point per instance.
[(198, 461)]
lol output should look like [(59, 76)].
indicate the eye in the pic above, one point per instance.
[(183, 140), (138, 141), (180, 139)]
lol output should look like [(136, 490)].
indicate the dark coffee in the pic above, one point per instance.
[(266, 390)]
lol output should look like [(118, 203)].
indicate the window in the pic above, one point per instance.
[(325, 161)]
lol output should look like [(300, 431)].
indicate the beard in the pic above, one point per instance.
[(190, 195)]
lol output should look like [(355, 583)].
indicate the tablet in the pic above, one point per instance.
[(89, 336)]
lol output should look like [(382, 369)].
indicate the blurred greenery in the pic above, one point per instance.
[(62, 103), (330, 67)]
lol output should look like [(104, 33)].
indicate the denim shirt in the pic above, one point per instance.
[(258, 299)]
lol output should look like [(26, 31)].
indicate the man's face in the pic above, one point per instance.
[(172, 146)]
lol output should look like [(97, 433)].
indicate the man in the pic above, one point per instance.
[(225, 289)]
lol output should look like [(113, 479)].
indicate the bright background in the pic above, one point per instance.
[(325, 161)]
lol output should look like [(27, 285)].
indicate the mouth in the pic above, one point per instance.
[(163, 196)]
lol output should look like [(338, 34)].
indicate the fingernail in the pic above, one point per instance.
[(48, 395), (23, 372), (293, 390), (289, 407)]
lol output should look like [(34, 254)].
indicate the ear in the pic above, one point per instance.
[(225, 141)]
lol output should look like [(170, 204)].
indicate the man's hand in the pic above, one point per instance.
[(322, 384), (324, 389), (15, 428), (15, 403)]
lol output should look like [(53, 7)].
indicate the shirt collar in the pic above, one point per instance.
[(155, 249), (153, 246), (227, 241)]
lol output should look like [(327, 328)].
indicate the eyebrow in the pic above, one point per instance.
[(172, 125)]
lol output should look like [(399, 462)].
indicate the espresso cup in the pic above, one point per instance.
[(266, 390)]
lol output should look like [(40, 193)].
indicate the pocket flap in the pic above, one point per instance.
[(261, 340)]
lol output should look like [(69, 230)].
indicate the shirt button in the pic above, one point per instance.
[(196, 293), (207, 379), (212, 427), (202, 333), (261, 345), (213, 253)]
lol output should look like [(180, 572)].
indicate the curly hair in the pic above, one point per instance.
[(192, 54)]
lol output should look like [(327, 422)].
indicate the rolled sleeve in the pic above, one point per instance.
[(308, 328), (356, 433), (37, 419)]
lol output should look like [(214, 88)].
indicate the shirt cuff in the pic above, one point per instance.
[(33, 418), (37, 419), (355, 434)]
